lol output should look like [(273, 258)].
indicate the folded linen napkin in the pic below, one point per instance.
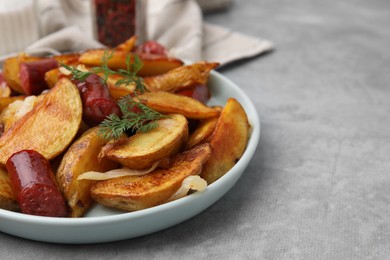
[(67, 25)]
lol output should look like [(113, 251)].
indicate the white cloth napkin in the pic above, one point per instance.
[(65, 25)]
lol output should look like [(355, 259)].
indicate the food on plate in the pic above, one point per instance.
[(49, 127), (32, 75), (181, 77), (5, 101), (154, 64), (228, 141), (11, 69), (34, 185), (128, 127), (97, 100), (140, 192), (16, 110), (82, 156), (142, 150), (202, 132), (7, 197), (165, 102)]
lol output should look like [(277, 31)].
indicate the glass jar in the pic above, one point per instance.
[(115, 21)]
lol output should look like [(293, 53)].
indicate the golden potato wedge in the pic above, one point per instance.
[(170, 103), (68, 58), (228, 141), (11, 71), (82, 156), (49, 127), (119, 91), (202, 133), (181, 77), (152, 64), (52, 76), (127, 45), (7, 197), (142, 150), (139, 192)]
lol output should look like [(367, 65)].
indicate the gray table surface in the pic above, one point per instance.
[(318, 186)]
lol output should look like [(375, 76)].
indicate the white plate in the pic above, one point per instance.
[(104, 225)]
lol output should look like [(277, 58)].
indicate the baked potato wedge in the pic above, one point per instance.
[(202, 132), (142, 150), (133, 193), (118, 91), (49, 127), (7, 197), (181, 77), (82, 156), (170, 103), (228, 141), (127, 45), (153, 64), (52, 76)]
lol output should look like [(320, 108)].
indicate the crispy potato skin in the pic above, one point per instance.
[(49, 127), (169, 103), (7, 197), (153, 64), (82, 156), (142, 150), (228, 141), (202, 133), (181, 77), (133, 193)]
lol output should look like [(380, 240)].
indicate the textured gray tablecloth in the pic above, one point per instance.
[(318, 186)]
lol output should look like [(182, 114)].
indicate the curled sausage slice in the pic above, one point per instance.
[(34, 185)]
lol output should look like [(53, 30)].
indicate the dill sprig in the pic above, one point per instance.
[(136, 117), (76, 73), (129, 74)]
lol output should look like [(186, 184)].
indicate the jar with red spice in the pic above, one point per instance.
[(115, 21)]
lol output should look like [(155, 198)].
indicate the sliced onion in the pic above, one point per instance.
[(193, 182), (100, 176)]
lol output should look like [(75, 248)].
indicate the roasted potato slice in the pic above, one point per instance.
[(82, 156), (142, 150), (228, 141), (68, 58), (7, 197), (139, 192), (118, 91), (52, 76), (202, 133), (11, 71), (181, 77), (152, 64), (127, 45), (49, 127), (165, 102)]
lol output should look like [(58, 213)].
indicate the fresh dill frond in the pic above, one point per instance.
[(129, 74), (136, 117), (76, 73)]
